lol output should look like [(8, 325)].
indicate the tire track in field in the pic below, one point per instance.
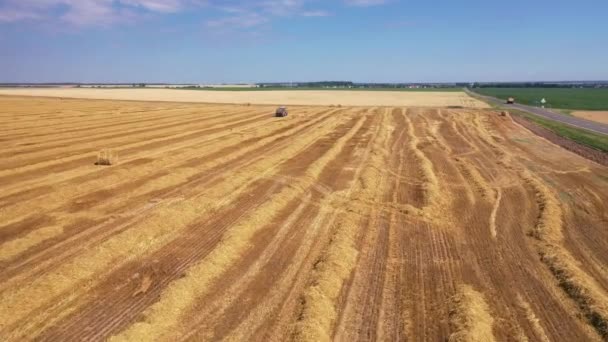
[(157, 234), (481, 184), (290, 306), (114, 127), (427, 174), (63, 112), (549, 217), (591, 298), (176, 150), (302, 255), (135, 150), (196, 246), (234, 151), (151, 193), (85, 127), (394, 317), (431, 263), (492, 267), (451, 130), (18, 107), (225, 164), (97, 174), (128, 228), (406, 274), (371, 278), (96, 121), (463, 168), (79, 160), (209, 315), (109, 122), (24, 109), (108, 131), (290, 258), (45, 159)]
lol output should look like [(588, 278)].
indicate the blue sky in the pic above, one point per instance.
[(209, 41)]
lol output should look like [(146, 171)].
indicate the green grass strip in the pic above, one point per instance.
[(581, 136)]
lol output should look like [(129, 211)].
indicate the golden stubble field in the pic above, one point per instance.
[(275, 97), (599, 116), (352, 223)]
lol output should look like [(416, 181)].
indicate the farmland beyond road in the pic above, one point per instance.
[(222, 222), (568, 120)]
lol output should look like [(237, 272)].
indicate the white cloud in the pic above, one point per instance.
[(316, 13), (87, 12), (84, 13), (93, 13), (16, 14), (155, 5), (249, 14), (239, 20), (281, 7), (365, 3)]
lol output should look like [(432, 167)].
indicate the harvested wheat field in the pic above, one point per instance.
[(599, 116), (275, 97), (352, 223)]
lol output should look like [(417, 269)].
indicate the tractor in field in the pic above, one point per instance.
[(281, 112), (510, 100)]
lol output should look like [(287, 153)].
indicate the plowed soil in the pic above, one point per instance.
[(351, 223)]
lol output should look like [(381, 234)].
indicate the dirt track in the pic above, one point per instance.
[(221, 221)]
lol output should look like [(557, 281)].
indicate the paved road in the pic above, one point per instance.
[(568, 120)]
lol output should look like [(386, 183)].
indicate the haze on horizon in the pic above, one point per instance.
[(226, 41)]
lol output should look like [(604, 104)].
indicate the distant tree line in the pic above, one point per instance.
[(349, 84), (322, 84)]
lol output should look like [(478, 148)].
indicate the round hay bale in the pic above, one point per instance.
[(106, 157)]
